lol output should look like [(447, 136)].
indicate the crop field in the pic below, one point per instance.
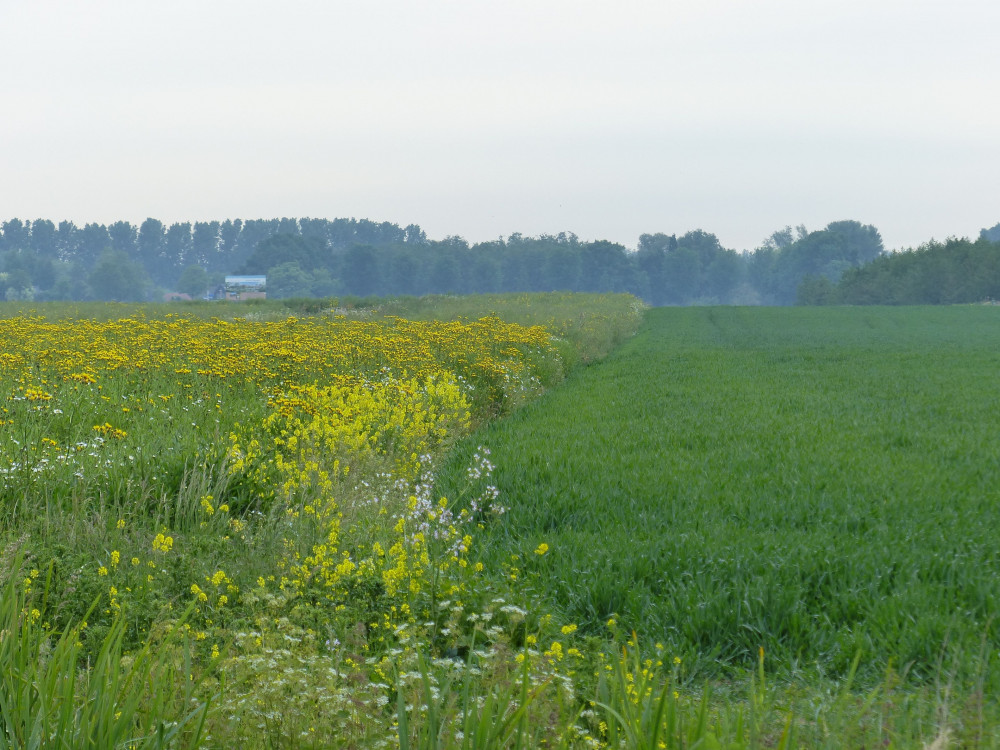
[(822, 485), (475, 522), (816, 483)]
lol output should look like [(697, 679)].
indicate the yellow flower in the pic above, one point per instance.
[(115, 558), (109, 431), (102, 571), (121, 523), (542, 549), (555, 651)]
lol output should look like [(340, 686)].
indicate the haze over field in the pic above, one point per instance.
[(484, 119)]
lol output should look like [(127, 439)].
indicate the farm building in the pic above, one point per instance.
[(245, 287)]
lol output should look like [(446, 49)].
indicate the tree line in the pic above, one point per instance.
[(956, 271), (320, 257), (122, 261)]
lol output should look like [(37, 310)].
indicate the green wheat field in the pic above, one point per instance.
[(816, 483)]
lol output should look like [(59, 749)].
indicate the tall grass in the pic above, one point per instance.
[(52, 698)]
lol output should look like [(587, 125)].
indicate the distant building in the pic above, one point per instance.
[(245, 287), (176, 297)]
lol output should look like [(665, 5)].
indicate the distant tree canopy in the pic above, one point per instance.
[(194, 281), (283, 248), (992, 234), (116, 277), (320, 257), (288, 280), (61, 259), (785, 260), (956, 271)]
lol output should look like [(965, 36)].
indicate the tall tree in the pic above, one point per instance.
[(651, 259), (308, 252), (123, 237), (92, 240), (176, 248), (414, 235), (562, 267), (205, 244), (605, 267), (117, 278), (484, 268), (288, 226), (288, 280), (682, 276), (444, 277), (15, 235), (361, 271), (402, 273), (43, 238), (150, 246), (779, 268), (193, 281), (990, 235), (66, 239), (229, 238)]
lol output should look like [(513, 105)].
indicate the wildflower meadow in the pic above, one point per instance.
[(237, 517)]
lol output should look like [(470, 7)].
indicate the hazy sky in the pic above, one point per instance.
[(482, 118)]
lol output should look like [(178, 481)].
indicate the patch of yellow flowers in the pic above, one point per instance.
[(398, 544), (333, 425), (335, 420), (488, 351), (81, 397)]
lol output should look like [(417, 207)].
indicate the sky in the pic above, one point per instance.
[(482, 118)]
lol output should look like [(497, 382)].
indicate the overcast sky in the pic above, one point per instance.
[(482, 118)]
